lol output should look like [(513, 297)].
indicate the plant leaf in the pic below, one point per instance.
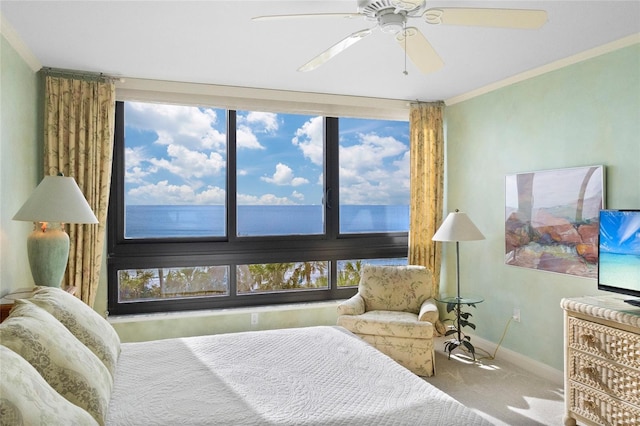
[(469, 346), (452, 345), (450, 332)]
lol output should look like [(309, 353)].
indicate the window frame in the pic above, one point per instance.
[(233, 250)]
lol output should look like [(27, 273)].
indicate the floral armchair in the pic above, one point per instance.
[(395, 312)]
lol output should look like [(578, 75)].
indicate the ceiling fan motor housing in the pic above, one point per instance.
[(372, 8)]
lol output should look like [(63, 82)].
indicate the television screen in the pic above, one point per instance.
[(619, 252)]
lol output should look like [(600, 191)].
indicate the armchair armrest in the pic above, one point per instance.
[(352, 306), (429, 311)]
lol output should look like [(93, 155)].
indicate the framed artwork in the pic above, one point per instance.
[(551, 220)]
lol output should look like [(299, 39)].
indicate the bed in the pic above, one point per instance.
[(319, 375)]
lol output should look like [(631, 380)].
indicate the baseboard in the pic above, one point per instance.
[(536, 367)]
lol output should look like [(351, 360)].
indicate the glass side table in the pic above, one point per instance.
[(454, 304)]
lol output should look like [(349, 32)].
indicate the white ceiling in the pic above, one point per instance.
[(216, 42)]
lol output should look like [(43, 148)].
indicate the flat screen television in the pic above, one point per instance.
[(619, 253)]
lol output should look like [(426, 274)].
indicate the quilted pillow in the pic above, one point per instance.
[(82, 321), (395, 288), (27, 399), (61, 359)]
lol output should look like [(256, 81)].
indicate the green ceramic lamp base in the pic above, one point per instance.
[(48, 252)]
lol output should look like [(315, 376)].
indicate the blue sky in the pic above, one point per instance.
[(620, 232), (177, 155)]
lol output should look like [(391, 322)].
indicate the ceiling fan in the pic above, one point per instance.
[(391, 17)]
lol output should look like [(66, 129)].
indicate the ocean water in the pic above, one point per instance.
[(620, 270), (154, 221)]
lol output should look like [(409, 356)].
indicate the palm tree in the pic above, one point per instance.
[(350, 274)]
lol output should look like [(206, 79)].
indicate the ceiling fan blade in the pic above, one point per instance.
[(502, 18), (334, 50), (307, 15), (419, 50)]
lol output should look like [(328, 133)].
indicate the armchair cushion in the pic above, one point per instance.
[(397, 288), (388, 323)]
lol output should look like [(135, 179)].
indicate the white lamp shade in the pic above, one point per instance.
[(56, 199), (457, 227)]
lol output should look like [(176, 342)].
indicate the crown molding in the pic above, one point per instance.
[(16, 42), (583, 56)]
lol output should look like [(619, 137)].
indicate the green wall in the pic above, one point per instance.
[(584, 114), (20, 160)]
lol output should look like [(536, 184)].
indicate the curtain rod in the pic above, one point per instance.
[(434, 103), (80, 75)]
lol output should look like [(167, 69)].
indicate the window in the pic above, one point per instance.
[(220, 208)]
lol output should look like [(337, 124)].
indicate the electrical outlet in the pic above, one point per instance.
[(516, 314), (254, 318)]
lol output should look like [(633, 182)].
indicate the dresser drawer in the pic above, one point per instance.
[(600, 340), (600, 408), (612, 379)]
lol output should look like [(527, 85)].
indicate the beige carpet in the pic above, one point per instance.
[(501, 392)]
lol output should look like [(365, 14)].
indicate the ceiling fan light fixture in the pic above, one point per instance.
[(391, 22)]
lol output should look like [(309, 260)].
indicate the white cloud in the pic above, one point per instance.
[(133, 160), (371, 152), (211, 195), (245, 138), (186, 163), (372, 173), (163, 193), (134, 156), (284, 176), (176, 124), (136, 175), (309, 138), (297, 195), (264, 122), (266, 199)]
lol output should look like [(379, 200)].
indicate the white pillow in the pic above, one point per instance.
[(82, 321), (27, 399), (61, 359)]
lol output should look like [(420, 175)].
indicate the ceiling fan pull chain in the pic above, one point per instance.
[(404, 30)]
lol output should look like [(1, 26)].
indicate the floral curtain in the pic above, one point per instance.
[(427, 183), (79, 116)]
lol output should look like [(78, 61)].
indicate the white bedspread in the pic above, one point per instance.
[(303, 376)]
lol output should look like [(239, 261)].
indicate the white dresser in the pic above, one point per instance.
[(602, 361)]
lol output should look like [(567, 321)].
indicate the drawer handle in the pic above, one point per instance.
[(589, 339), (590, 405), (590, 371), (592, 408)]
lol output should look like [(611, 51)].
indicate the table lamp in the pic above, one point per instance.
[(55, 201), (457, 227)]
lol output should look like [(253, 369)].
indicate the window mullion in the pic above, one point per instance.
[(332, 196), (232, 178)]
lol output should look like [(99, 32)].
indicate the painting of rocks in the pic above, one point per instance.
[(551, 220)]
